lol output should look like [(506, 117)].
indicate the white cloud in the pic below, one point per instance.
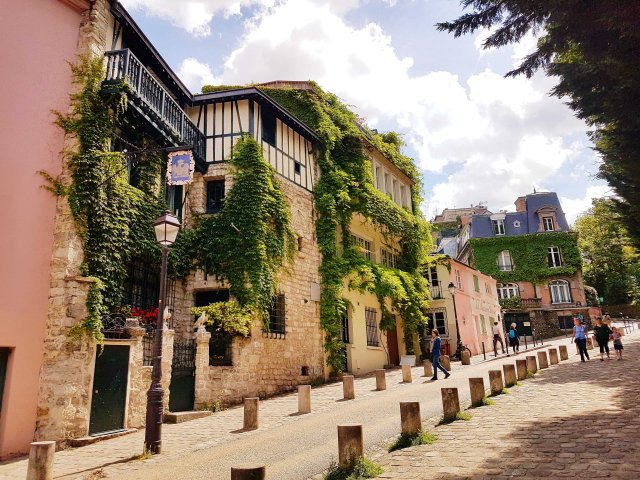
[(574, 207), (195, 74)]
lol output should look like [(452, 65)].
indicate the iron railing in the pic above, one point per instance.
[(436, 292), (372, 327), (123, 65), (531, 302)]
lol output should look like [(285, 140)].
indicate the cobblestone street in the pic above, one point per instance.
[(576, 420)]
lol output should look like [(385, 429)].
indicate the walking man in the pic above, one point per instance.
[(435, 355), (497, 337)]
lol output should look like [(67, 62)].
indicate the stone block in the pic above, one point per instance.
[(521, 367), (466, 358), (348, 387), (381, 379), (495, 382), (428, 368), (450, 403), (509, 375), (553, 356), (251, 413), (410, 420), (406, 374), (564, 354), (304, 399), (248, 473), (350, 444), (532, 364), (543, 361), (445, 361), (40, 466), (476, 387)]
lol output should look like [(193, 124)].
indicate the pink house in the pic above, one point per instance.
[(38, 41)]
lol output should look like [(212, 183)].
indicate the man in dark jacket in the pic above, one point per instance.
[(435, 355)]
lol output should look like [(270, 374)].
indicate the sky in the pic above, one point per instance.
[(476, 136)]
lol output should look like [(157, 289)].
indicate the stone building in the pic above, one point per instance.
[(79, 390)]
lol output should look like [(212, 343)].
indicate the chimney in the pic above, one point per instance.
[(521, 204)]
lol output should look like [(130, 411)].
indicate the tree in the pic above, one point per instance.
[(593, 47), (611, 263)]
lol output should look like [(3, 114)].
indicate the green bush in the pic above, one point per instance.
[(361, 468), (405, 441)]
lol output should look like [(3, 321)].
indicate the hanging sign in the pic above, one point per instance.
[(180, 167)]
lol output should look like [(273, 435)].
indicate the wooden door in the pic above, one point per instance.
[(392, 347), (108, 402)]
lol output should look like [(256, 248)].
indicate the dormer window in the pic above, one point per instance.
[(498, 227), (547, 223)]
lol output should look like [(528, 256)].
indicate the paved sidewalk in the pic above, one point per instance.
[(575, 420)]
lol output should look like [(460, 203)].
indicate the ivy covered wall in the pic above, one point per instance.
[(529, 255)]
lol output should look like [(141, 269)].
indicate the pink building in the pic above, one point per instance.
[(38, 42)]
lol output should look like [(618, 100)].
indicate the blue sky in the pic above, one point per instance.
[(476, 136)]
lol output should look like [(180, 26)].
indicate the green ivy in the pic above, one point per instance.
[(250, 240), (513, 303), (529, 255), (227, 317), (92, 325)]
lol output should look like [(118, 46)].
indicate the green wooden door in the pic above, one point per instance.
[(108, 402)]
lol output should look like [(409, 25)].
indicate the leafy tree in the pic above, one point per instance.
[(611, 263), (593, 47)]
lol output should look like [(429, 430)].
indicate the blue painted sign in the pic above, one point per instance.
[(180, 168)]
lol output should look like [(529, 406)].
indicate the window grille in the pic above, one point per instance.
[(215, 196), (220, 349), (370, 315), (142, 285), (554, 257), (345, 328), (277, 317)]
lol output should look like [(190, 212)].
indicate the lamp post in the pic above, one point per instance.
[(166, 228), (452, 291)]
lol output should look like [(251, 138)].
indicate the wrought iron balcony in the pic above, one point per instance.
[(154, 100), (436, 292)]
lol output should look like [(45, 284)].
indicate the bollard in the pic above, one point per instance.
[(589, 343), (509, 375), (495, 382), (428, 368), (381, 379), (304, 398), (484, 354), (521, 367), (553, 356), (476, 387), (410, 418), (251, 413), (406, 374), (445, 361), (526, 347), (248, 473), (41, 461), (543, 361), (350, 444), (466, 358), (450, 403), (564, 354), (348, 387), (532, 364)]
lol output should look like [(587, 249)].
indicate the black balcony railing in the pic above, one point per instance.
[(123, 65)]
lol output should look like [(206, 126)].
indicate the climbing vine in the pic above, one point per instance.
[(228, 317), (113, 218), (345, 188), (529, 255)]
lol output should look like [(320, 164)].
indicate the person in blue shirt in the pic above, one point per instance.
[(580, 337), (435, 355)]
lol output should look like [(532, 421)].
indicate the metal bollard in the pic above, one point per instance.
[(350, 444), (41, 461), (248, 473)]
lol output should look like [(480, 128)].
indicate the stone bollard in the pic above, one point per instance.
[(41, 461), (532, 364), (410, 418), (406, 374), (304, 398), (476, 386), (350, 444), (428, 368), (589, 343), (251, 413), (495, 382), (466, 358), (509, 375), (553, 356), (248, 473), (543, 361), (381, 379), (348, 387), (445, 361), (521, 367), (450, 403), (564, 354)]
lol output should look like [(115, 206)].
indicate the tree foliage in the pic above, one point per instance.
[(611, 263), (593, 47)]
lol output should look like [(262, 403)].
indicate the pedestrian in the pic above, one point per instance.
[(580, 337), (435, 355), (602, 333), (616, 336), (514, 339), (497, 337)]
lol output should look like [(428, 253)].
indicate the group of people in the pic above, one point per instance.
[(603, 334)]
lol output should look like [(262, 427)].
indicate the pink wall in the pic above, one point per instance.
[(38, 38)]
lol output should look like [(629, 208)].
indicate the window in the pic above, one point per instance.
[(483, 324), (387, 184), (554, 258), (378, 175), (269, 126), (403, 196), (370, 315), (220, 341), (458, 280), (476, 283), (547, 223), (435, 289), (4, 360), (505, 263), (175, 197), (296, 168), (394, 190), (389, 258), (215, 196), (438, 320), (345, 328), (560, 291), (276, 316), (487, 289), (142, 285), (364, 246), (498, 227), (508, 290)]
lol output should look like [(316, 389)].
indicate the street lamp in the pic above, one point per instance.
[(452, 291), (166, 228)]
